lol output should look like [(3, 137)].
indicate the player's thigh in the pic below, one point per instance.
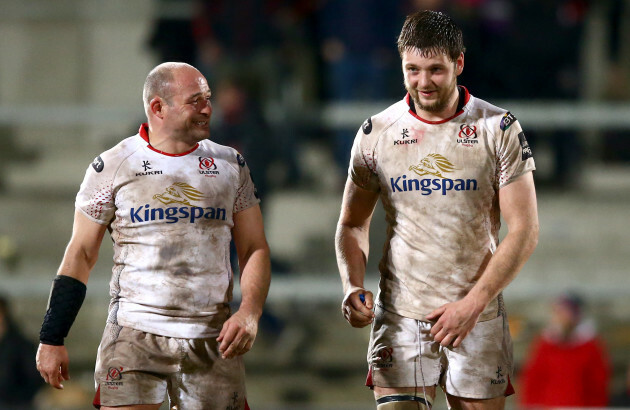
[(460, 403)]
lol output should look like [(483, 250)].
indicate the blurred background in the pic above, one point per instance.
[(292, 81)]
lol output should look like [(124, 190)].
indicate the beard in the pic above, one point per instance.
[(444, 96)]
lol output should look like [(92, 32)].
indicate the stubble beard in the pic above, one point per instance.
[(444, 95), (198, 133)]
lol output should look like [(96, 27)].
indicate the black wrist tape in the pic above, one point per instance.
[(66, 298)]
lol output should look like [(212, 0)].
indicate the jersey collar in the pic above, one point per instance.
[(144, 134), (464, 97)]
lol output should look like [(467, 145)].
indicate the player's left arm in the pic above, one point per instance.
[(517, 201), (239, 331)]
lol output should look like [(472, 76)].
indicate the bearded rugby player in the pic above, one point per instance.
[(446, 166)]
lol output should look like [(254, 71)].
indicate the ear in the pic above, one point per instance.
[(459, 64), (156, 106)]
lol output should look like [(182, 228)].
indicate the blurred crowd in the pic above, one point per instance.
[(296, 55)]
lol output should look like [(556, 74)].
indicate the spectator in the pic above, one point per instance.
[(19, 380), (568, 364), (171, 37), (230, 35), (544, 33), (241, 124), (357, 40), (256, 50)]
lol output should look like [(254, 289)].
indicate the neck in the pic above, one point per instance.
[(167, 144)]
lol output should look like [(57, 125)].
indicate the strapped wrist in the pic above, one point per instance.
[(66, 297)]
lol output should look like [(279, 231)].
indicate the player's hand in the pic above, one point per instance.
[(357, 312), (454, 321), (237, 335), (52, 363)]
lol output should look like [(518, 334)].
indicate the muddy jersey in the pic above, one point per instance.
[(439, 184), (170, 218)]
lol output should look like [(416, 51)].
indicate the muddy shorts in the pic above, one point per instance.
[(402, 353), (134, 367)]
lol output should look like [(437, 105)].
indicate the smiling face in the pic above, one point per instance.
[(188, 108), (431, 81)]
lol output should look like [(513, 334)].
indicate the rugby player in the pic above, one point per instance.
[(172, 201), (446, 166)]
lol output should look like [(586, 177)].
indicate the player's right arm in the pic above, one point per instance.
[(66, 298), (352, 248)]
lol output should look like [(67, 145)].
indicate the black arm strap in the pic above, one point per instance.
[(66, 297)]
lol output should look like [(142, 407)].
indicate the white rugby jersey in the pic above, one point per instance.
[(438, 182), (170, 218)]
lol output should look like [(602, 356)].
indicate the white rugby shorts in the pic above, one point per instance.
[(402, 353), (135, 367)]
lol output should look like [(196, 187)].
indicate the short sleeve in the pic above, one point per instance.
[(514, 155), (362, 170), (246, 194), (95, 198)]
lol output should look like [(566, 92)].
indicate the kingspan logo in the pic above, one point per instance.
[(178, 193), (437, 166)]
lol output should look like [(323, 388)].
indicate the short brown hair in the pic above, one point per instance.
[(431, 32)]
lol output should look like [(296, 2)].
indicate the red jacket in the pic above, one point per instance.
[(572, 373)]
